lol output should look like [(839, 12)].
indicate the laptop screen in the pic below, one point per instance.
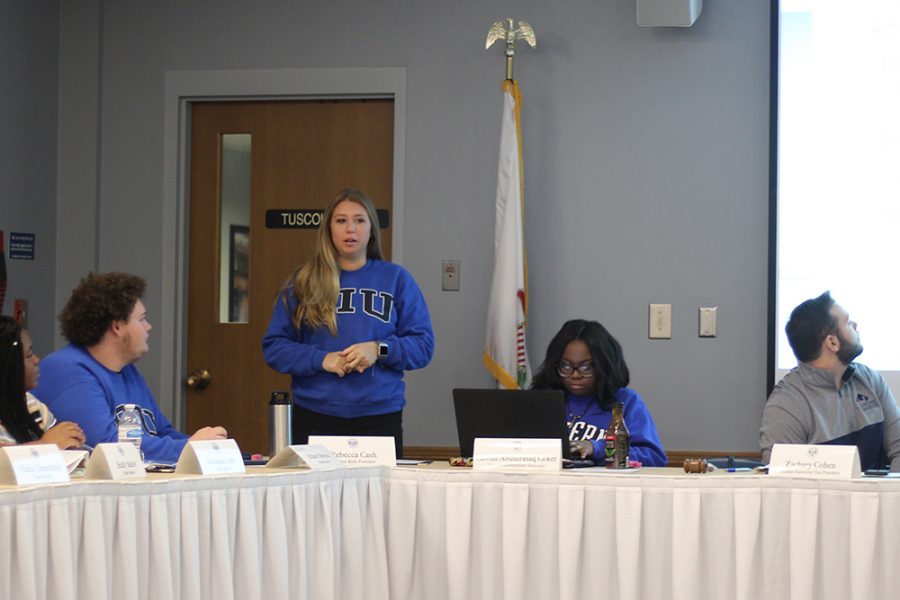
[(493, 413)]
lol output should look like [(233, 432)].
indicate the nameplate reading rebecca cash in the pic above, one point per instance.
[(359, 450), (295, 218)]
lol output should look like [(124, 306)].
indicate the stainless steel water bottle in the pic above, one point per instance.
[(279, 421)]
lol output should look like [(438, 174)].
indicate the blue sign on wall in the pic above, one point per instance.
[(21, 245)]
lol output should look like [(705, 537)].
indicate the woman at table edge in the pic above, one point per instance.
[(586, 361), (23, 418)]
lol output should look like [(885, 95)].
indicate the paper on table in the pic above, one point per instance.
[(73, 458)]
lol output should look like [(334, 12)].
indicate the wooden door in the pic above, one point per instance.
[(301, 153)]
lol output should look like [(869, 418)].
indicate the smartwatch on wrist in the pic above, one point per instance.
[(382, 350)]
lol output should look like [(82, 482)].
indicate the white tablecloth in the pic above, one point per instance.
[(411, 533), (653, 534), (314, 535)]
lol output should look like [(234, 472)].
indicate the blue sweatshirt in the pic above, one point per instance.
[(587, 421), (78, 388), (378, 302)]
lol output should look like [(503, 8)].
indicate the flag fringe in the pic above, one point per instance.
[(499, 373)]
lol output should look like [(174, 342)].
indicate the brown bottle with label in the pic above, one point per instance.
[(618, 440)]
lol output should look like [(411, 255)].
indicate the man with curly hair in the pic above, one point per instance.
[(92, 379)]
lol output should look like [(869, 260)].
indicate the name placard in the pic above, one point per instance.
[(115, 461), (532, 454), (313, 456), (813, 460), (34, 463), (359, 451), (210, 457)]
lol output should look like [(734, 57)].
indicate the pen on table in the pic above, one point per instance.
[(738, 469)]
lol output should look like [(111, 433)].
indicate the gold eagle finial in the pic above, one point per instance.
[(508, 31)]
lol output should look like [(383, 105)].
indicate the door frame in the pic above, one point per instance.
[(184, 87)]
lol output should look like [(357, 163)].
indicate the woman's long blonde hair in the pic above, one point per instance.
[(317, 283)]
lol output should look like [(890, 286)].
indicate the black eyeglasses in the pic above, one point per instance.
[(566, 370)]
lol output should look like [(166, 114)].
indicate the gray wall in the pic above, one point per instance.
[(645, 173), (29, 33)]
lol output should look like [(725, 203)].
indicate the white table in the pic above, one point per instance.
[(411, 533), (285, 535), (654, 534)]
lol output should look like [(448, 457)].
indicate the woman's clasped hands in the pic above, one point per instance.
[(357, 357)]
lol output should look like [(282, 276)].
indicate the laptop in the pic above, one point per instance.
[(496, 413)]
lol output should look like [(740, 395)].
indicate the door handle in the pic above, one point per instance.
[(199, 379)]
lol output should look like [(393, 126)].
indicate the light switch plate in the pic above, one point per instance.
[(708, 321), (660, 321)]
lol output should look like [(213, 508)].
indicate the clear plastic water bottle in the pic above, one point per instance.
[(130, 428)]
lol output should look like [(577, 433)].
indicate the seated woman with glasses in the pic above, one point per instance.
[(586, 361)]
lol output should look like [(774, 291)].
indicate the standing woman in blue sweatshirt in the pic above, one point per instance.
[(587, 362), (345, 326)]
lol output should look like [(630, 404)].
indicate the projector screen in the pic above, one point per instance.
[(838, 169)]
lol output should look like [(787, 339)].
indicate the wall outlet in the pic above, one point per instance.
[(450, 276), (661, 321)]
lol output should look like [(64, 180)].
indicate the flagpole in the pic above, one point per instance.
[(505, 354)]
